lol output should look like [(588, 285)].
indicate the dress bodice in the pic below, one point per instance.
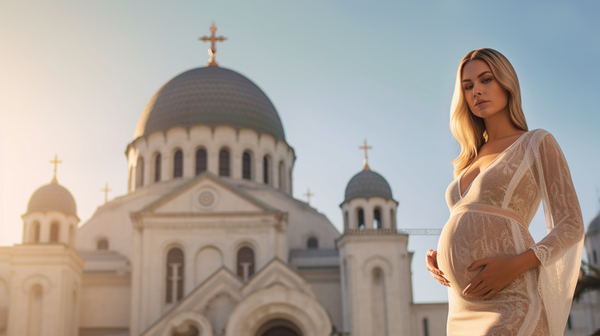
[(507, 182)]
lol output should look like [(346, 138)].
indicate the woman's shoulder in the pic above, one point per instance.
[(541, 140), (537, 135)]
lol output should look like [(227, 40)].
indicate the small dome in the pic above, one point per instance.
[(366, 184), (594, 226), (210, 96), (52, 197)]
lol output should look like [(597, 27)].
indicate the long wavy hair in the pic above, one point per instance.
[(468, 129)]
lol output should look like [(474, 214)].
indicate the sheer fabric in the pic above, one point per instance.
[(492, 219)]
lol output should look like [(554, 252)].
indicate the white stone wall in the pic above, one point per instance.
[(303, 221), (4, 288), (154, 237), (112, 221), (105, 301), (436, 315), (45, 290), (371, 307), (237, 141)]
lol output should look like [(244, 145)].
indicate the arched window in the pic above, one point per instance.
[(361, 219), (378, 302), (130, 182), (377, 219), (224, 162), (245, 263), (34, 314), (35, 227), (393, 219), (200, 161), (290, 182), (157, 164), (102, 244), (281, 175), (54, 231), (312, 243), (246, 166), (175, 273), (139, 172), (178, 164), (346, 220), (266, 173)]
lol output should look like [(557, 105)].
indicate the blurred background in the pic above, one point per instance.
[(75, 76)]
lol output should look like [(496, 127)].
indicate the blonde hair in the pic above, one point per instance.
[(468, 129)]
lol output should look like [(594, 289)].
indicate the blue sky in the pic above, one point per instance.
[(76, 76)]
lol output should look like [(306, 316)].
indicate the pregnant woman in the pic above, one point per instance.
[(501, 282)]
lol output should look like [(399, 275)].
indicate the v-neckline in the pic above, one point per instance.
[(488, 166)]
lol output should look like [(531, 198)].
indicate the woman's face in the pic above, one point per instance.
[(481, 90)]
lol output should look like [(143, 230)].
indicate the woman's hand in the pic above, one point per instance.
[(497, 273), (432, 267)]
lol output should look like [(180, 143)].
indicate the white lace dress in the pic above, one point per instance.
[(492, 219)]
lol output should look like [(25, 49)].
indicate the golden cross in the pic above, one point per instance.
[(366, 148), (308, 194), (105, 190), (56, 161), (213, 48)]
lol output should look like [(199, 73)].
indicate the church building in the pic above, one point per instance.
[(209, 240)]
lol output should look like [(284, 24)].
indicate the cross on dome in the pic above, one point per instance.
[(55, 162), (105, 190), (308, 195), (366, 148), (213, 48)]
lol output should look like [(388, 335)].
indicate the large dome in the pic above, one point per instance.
[(594, 226), (367, 184), (52, 197), (210, 96)]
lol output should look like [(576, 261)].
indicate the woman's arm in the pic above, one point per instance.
[(565, 226)]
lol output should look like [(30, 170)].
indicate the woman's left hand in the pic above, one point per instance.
[(497, 273)]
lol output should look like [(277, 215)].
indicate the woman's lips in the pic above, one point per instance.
[(481, 102)]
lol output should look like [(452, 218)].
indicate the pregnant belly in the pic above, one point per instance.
[(470, 236)]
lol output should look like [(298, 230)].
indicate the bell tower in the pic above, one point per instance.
[(46, 270), (375, 263)]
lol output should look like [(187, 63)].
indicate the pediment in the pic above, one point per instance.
[(207, 193), (222, 283), (276, 272), (225, 285)]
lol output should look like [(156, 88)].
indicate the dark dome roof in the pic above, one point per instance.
[(366, 184), (594, 225), (52, 197), (210, 96)]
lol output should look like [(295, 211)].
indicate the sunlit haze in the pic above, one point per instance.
[(76, 75)]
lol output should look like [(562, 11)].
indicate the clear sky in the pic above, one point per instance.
[(75, 76)]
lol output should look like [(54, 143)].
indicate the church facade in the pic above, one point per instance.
[(209, 239)]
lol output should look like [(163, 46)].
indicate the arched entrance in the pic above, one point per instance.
[(279, 327), (188, 330), (280, 331)]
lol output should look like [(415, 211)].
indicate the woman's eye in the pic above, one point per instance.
[(469, 87), (486, 80)]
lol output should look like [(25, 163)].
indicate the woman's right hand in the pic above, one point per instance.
[(432, 267)]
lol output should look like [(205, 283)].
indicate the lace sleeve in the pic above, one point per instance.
[(564, 221), (560, 250)]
